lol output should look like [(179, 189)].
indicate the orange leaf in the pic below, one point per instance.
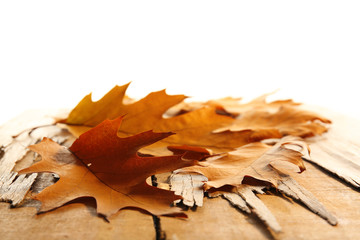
[(111, 106), (194, 128), (287, 120), (106, 167), (253, 164), (283, 116)]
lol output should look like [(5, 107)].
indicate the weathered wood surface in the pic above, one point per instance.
[(246, 199), (13, 188), (338, 153), (216, 219), (190, 187), (74, 221)]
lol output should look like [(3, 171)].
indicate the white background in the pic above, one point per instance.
[(52, 53)]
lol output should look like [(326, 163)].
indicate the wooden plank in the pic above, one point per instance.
[(296, 219), (190, 187), (217, 219), (338, 150), (25, 121), (13, 187), (73, 221), (338, 198)]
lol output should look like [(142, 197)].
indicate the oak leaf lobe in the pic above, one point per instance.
[(106, 167)]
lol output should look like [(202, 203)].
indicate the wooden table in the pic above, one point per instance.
[(217, 219)]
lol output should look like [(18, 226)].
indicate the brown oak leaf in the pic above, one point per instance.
[(231, 106), (107, 168), (239, 174), (194, 128), (254, 164), (284, 116)]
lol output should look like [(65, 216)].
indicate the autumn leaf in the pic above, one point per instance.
[(111, 106), (287, 120), (107, 168), (238, 174), (108, 161), (220, 125), (230, 106), (284, 116), (194, 128), (223, 106), (254, 164)]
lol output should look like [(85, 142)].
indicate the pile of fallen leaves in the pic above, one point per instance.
[(238, 147)]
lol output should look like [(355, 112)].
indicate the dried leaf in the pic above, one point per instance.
[(287, 120), (194, 128), (283, 116), (231, 106), (106, 167), (253, 164), (258, 164), (111, 106)]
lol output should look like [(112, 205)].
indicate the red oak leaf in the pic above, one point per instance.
[(108, 168)]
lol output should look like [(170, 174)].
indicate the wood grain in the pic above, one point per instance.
[(216, 219), (221, 221), (73, 221)]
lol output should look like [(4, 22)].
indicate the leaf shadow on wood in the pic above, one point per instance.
[(275, 192), (88, 202), (91, 206), (185, 207)]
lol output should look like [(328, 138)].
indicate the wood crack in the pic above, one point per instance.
[(159, 233)]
